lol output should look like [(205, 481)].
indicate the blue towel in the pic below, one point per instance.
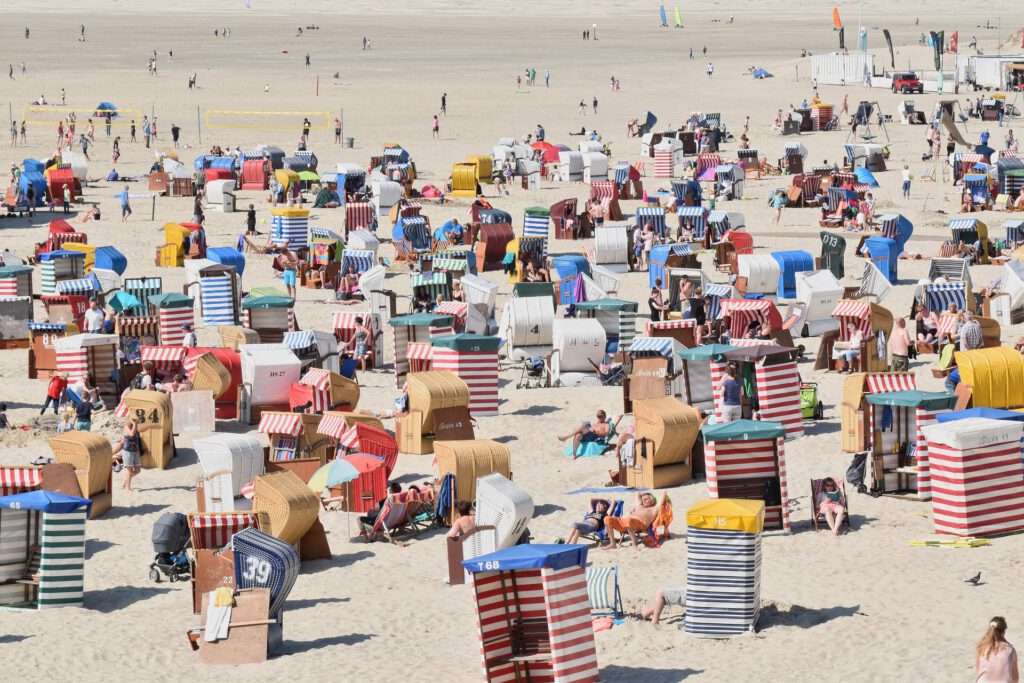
[(602, 489)]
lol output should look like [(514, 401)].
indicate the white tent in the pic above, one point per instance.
[(229, 462), (817, 293), (761, 272), (591, 146)]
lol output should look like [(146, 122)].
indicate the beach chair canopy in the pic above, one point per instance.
[(973, 432), (743, 430), (988, 413), (532, 556), (727, 514), (995, 375), (928, 400), (44, 501), (706, 352)]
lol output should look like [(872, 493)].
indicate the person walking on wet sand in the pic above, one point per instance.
[(444, 103), (436, 128)]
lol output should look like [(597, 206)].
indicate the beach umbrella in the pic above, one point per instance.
[(363, 462), (123, 301), (335, 472), (308, 176)]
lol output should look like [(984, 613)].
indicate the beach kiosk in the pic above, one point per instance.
[(533, 614), (899, 451), (90, 355), (229, 462), (474, 359), (42, 543), (90, 455), (173, 311), (746, 460), (977, 476), (290, 225), (270, 316), (42, 352), (412, 328), (723, 567)]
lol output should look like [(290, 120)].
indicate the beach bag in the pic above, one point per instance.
[(857, 469)]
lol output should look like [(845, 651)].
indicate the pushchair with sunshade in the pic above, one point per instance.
[(170, 543)]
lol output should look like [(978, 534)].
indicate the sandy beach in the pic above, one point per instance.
[(864, 607)]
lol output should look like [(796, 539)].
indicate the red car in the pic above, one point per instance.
[(906, 82)]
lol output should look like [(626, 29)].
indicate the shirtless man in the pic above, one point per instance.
[(639, 519), (588, 432)]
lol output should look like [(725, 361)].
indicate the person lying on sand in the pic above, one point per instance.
[(588, 431)]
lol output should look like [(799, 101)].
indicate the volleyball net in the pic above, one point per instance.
[(221, 119), (55, 113)]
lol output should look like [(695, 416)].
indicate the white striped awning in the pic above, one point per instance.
[(324, 234), (317, 378), (419, 351), (737, 305), (14, 299), (940, 296), (885, 382), (213, 531), (164, 354), (299, 339), (85, 285), (448, 264), (281, 423), (455, 309), (963, 224), (19, 479), (432, 278), (332, 425), (691, 211), (848, 308), (661, 346)]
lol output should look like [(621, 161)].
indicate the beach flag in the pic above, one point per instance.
[(664, 16), (954, 42), (679, 19), (888, 40), (837, 23), (842, 39), (862, 39)]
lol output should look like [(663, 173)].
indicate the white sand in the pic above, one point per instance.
[(865, 607)]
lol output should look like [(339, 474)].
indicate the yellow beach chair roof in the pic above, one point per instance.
[(727, 514)]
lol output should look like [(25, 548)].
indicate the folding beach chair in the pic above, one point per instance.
[(600, 536), (392, 519), (603, 591), (817, 518)]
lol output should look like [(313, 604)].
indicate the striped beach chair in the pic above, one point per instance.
[(360, 216), (217, 300), (535, 222), (653, 216), (809, 185), (142, 288), (262, 561), (435, 283), (939, 297), (693, 219), (748, 159), (603, 591), (361, 259), (705, 161), (1014, 232)]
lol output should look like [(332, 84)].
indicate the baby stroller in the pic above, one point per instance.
[(535, 374), (810, 407), (170, 543)]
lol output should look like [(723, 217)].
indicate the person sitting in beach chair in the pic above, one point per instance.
[(830, 506), (638, 521), (598, 433), (465, 524), (370, 518), (592, 526)]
